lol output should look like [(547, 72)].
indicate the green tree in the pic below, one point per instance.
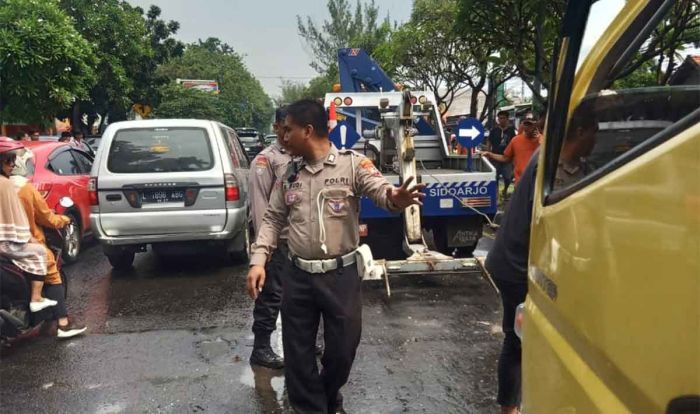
[(321, 85), (165, 47), (291, 91), (45, 64), (677, 31), (524, 32), (121, 44), (345, 28), (178, 102), (241, 99), (428, 52)]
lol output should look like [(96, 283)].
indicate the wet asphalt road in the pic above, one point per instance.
[(173, 335)]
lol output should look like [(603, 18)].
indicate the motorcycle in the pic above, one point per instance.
[(16, 321)]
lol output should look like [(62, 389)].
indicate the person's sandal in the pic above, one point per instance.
[(70, 330), (43, 304)]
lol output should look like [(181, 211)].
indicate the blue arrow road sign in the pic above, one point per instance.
[(470, 132), (344, 135)]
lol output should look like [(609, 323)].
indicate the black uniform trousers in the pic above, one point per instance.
[(267, 305), (509, 369), (337, 296)]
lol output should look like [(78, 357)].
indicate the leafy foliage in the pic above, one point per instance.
[(165, 47), (523, 32), (291, 91), (659, 56), (345, 28), (242, 100), (120, 42), (44, 62), (178, 102)]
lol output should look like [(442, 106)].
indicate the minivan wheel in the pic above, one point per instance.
[(242, 255), (71, 241), (121, 260)]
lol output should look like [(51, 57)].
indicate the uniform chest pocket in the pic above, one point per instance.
[(338, 202), (294, 198)]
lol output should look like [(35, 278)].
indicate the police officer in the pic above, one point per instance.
[(268, 166), (319, 198)]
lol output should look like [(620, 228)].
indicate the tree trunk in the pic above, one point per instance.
[(539, 60), (75, 121)]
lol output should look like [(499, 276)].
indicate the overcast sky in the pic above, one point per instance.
[(264, 31)]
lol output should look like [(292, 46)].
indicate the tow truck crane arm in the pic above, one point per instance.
[(360, 73)]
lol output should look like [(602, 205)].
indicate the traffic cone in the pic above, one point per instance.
[(332, 117)]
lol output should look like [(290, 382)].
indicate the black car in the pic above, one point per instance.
[(251, 140)]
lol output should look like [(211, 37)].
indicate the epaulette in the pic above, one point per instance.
[(350, 152)]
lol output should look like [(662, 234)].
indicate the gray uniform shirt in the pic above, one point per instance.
[(268, 167), (321, 203)]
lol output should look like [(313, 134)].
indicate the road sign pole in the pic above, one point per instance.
[(469, 160)]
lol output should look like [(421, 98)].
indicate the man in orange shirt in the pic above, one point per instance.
[(520, 149)]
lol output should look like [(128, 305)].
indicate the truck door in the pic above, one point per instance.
[(611, 318)]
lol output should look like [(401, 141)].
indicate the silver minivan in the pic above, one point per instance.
[(169, 182)]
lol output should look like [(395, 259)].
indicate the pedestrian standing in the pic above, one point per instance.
[(320, 198), (497, 142), (507, 264), (268, 167), (66, 136), (34, 135), (77, 142), (508, 259), (520, 149), (22, 136)]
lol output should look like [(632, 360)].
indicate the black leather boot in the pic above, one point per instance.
[(266, 357)]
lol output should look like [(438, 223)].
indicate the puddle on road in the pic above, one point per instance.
[(268, 385), (110, 408), (210, 350)]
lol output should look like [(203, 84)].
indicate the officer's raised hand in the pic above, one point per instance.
[(255, 281), (404, 196)]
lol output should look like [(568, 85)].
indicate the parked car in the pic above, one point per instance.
[(94, 142), (251, 140), (59, 170), (168, 182), (270, 139)]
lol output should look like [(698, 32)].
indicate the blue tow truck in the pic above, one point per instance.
[(402, 133)]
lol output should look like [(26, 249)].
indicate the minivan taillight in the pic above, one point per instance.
[(231, 184), (92, 191)]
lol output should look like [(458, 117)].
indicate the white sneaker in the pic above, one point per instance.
[(43, 304), (70, 330)]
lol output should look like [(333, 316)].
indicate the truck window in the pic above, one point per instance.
[(645, 99)]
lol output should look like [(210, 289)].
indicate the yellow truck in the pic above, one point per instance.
[(612, 318)]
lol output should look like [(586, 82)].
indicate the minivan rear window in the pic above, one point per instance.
[(151, 150)]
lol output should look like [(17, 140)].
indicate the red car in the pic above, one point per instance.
[(59, 170)]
